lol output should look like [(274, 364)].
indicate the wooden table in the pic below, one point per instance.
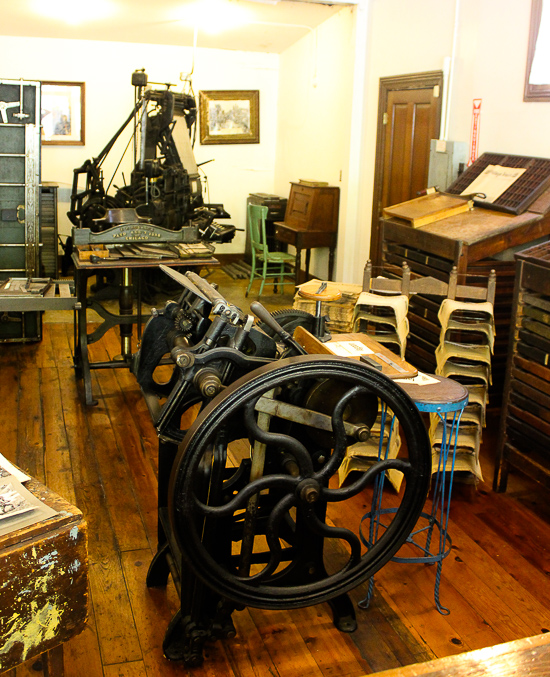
[(529, 656), (466, 238), (125, 319), (379, 357), (305, 238), (44, 590)]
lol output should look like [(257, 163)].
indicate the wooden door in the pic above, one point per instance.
[(409, 116)]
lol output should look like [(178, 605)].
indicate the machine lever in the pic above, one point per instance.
[(267, 318)]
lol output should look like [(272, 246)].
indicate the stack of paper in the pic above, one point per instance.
[(18, 507)]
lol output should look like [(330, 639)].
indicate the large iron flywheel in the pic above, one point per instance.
[(254, 491)]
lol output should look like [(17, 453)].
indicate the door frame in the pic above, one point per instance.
[(426, 80)]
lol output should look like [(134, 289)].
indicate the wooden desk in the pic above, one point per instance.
[(125, 319), (303, 238), (469, 241), (44, 591), (311, 220)]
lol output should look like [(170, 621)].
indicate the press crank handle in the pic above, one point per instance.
[(267, 318)]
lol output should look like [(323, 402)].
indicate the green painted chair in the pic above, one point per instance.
[(266, 264)]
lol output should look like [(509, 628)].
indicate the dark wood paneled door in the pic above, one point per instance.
[(409, 116)]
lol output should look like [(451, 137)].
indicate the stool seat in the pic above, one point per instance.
[(330, 293), (319, 293), (443, 396)]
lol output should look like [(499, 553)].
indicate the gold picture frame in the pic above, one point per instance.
[(229, 116), (62, 118)]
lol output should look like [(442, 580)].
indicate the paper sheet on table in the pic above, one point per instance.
[(494, 180), (18, 507), (349, 348), (420, 379), (7, 468)]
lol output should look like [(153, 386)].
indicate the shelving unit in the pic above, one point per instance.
[(524, 442), (48, 231)]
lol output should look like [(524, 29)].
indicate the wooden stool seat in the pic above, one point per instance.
[(319, 293), (330, 293)]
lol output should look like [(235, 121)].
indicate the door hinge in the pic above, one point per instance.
[(385, 119)]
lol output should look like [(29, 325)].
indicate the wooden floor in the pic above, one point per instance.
[(103, 459)]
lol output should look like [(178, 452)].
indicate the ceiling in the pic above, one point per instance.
[(270, 26)]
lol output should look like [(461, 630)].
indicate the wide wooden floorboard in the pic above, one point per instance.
[(104, 459)]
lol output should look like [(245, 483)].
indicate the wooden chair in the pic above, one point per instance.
[(429, 285), (398, 285), (265, 263), (381, 310)]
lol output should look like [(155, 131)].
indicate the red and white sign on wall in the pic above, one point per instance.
[(474, 134)]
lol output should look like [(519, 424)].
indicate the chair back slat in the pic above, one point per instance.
[(256, 221)]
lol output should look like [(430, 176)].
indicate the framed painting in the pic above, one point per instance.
[(63, 106), (229, 116)]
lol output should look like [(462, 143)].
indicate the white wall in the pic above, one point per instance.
[(106, 68), (306, 123), (409, 37), (315, 90), (491, 61)]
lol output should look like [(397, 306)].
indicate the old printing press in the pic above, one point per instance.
[(245, 491), (163, 201)]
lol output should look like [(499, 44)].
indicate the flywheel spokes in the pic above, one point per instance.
[(253, 520)]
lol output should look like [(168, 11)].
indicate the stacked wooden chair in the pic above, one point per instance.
[(381, 309), (463, 354)]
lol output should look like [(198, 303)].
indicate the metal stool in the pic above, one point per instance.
[(447, 399), (327, 291)]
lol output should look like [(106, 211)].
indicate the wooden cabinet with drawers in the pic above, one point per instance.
[(524, 442)]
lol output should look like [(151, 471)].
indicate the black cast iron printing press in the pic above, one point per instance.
[(245, 490)]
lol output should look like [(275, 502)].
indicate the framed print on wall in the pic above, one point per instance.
[(229, 116), (63, 113)]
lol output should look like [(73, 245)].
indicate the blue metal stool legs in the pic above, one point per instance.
[(434, 549)]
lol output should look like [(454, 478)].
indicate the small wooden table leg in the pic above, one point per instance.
[(331, 253), (297, 266), (52, 661)]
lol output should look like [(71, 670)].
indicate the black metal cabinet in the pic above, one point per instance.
[(19, 198), (19, 178)]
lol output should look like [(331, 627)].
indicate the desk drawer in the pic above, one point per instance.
[(285, 235)]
